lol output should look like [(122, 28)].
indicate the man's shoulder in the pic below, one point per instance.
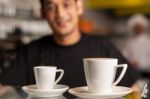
[(39, 42), (42, 40)]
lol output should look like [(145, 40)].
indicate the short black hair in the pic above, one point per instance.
[(42, 3)]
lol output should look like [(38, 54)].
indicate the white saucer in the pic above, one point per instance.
[(57, 91), (117, 91)]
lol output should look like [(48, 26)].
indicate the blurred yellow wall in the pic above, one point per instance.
[(117, 3)]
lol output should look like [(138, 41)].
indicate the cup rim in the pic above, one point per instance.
[(44, 67), (100, 59)]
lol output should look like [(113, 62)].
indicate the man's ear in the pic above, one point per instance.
[(80, 7)]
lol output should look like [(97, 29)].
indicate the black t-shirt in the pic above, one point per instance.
[(46, 52)]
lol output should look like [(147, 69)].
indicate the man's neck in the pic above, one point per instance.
[(67, 40)]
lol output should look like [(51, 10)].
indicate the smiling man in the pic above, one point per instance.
[(65, 48), (63, 17)]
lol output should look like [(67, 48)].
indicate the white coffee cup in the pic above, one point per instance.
[(100, 74), (45, 76)]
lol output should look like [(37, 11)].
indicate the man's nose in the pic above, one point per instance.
[(60, 12)]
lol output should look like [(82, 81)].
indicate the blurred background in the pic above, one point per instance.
[(20, 23)]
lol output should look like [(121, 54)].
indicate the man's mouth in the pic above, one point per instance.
[(62, 24)]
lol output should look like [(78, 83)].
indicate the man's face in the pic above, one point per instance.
[(63, 15), (139, 28)]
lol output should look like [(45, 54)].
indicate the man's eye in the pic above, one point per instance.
[(66, 5), (50, 7)]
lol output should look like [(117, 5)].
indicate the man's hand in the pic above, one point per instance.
[(136, 88), (3, 90)]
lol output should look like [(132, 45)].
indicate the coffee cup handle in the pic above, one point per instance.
[(121, 74), (60, 76)]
